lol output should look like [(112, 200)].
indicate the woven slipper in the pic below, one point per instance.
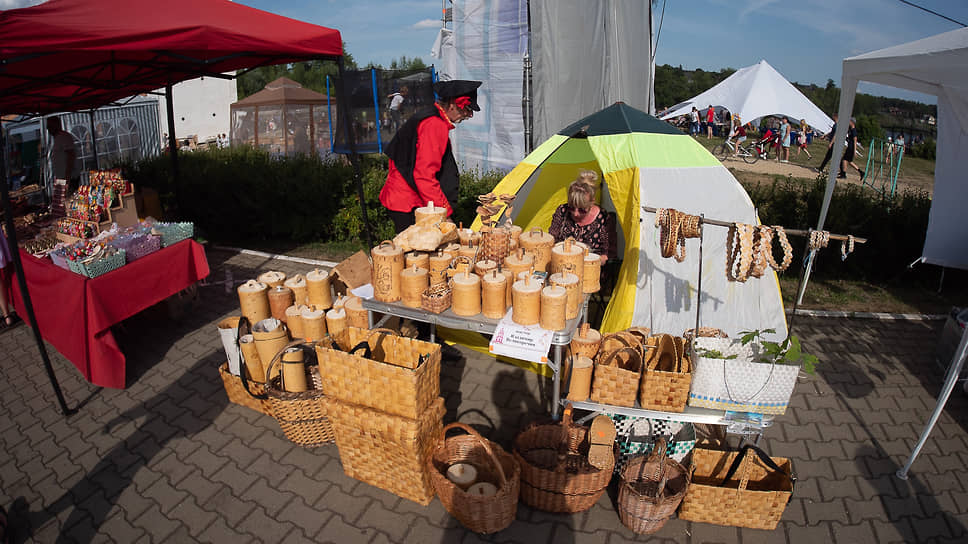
[(601, 440)]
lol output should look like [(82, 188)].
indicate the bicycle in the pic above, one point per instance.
[(728, 149)]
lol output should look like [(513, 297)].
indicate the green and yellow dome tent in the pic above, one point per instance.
[(647, 162)]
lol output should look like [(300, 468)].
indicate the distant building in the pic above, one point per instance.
[(201, 109), (283, 118)]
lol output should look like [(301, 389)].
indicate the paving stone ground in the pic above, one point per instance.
[(169, 459)]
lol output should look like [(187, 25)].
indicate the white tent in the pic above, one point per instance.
[(937, 65), (757, 91)]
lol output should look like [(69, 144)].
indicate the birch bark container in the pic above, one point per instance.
[(293, 370), (387, 266), (419, 258), (586, 342), (356, 315), (592, 274), (254, 301), (414, 281), (526, 306), (572, 285), (439, 263), (319, 287), (567, 257), (581, 378), (509, 276), (300, 291), (280, 298), (466, 297), (336, 325), (271, 336), (294, 321), (518, 262), (253, 364), (273, 278), (537, 243), (494, 292), (553, 299), (314, 323), (429, 214), (483, 267)]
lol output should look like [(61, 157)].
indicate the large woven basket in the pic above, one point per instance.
[(494, 465), (616, 377), (555, 473), (665, 387), (302, 416), (97, 266), (652, 488), (254, 397), (722, 492), (388, 451), (399, 375)]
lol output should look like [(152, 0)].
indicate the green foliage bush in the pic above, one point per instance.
[(924, 150)]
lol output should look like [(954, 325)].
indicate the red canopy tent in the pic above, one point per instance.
[(68, 55)]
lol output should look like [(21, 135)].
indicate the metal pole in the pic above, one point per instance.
[(343, 106), (173, 143), (802, 284), (93, 139), (695, 333), (22, 280), (954, 370)]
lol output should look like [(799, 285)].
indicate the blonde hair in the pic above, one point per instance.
[(581, 192)]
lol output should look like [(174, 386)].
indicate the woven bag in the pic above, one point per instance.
[(494, 465), (302, 416), (388, 451), (638, 435), (741, 384), (555, 473), (652, 488), (665, 384), (390, 373), (756, 499), (616, 377)]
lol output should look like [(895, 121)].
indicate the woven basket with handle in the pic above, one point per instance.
[(652, 488), (481, 514), (616, 377), (239, 389), (665, 383), (747, 488), (555, 473), (302, 416)]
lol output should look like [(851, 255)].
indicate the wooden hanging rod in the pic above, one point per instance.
[(795, 232)]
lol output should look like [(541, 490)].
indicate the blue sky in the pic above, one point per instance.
[(805, 40)]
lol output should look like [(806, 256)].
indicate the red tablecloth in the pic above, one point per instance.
[(75, 314)]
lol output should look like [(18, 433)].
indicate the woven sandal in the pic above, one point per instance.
[(601, 440)]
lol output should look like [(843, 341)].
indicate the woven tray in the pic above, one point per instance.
[(172, 233), (98, 266), (401, 376), (388, 451)]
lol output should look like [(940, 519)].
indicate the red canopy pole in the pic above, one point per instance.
[(19, 271), (343, 106), (172, 144)]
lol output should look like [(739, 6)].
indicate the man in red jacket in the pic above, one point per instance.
[(422, 164)]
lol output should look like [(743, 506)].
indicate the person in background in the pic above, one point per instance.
[(710, 121), (739, 133), (694, 122), (396, 105), (10, 317), (422, 166), (830, 144), (783, 154), (802, 139), (582, 219), (63, 154), (848, 157)]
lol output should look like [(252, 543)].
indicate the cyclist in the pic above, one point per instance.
[(738, 132), (768, 140)]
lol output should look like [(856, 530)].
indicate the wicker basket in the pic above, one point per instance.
[(437, 298), (390, 373), (555, 473), (99, 265), (302, 416), (616, 377), (665, 387), (172, 233), (237, 393), (756, 499), (388, 451), (494, 465), (652, 488)]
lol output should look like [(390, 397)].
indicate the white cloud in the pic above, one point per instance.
[(14, 4), (427, 23)]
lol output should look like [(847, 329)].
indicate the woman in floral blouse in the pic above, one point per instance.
[(581, 218)]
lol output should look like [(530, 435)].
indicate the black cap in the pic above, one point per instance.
[(454, 88)]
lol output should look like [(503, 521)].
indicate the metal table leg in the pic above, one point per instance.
[(556, 387)]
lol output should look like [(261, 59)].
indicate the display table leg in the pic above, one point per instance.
[(433, 332), (556, 386)]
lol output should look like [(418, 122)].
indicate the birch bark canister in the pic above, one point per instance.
[(581, 378), (526, 306), (300, 291), (250, 354), (494, 292), (293, 370), (429, 214), (271, 336), (280, 298), (356, 315), (518, 262), (483, 267), (254, 301), (553, 300), (466, 296), (273, 278), (419, 258), (586, 342), (591, 274), (572, 285), (538, 243), (387, 265), (414, 281), (509, 276), (314, 323), (319, 287), (336, 325), (294, 321), (567, 256), (439, 263)]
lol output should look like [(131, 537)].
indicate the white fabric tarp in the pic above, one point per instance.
[(937, 65), (757, 91), (587, 55)]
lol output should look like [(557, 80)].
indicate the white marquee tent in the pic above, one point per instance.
[(937, 65), (757, 91)]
